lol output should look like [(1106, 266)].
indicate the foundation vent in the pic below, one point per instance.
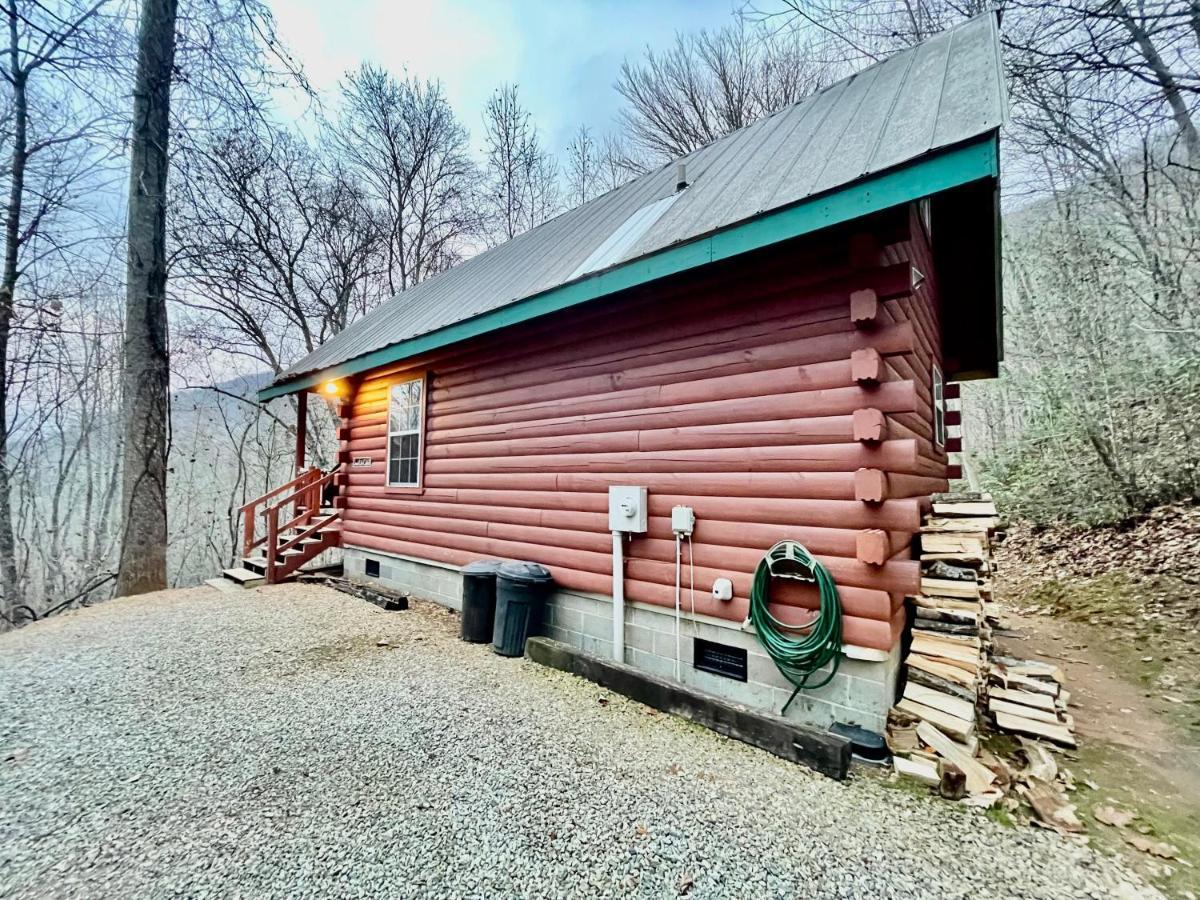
[(719, 659)]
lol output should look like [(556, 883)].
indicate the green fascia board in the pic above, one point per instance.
[(942, 171)]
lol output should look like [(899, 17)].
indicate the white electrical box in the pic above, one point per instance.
[(627, 509), (722, 589), (683, 520)]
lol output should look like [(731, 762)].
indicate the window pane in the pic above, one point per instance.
[(395, 407), (405, 403), (411, 418)]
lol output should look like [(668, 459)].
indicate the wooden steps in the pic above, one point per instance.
[(298, 526), (244, 577)]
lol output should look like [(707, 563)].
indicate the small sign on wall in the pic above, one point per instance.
[(361, 462)]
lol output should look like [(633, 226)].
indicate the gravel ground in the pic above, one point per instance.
[(269, 743)]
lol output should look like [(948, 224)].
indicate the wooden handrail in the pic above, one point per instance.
[(308, 473), (307, 495), (308, 532), (249, 520), (305, 491)]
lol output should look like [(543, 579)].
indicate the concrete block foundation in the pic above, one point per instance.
[(861, 693)]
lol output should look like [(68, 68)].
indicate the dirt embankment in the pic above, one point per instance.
[(1118, 609), (1139, 583)]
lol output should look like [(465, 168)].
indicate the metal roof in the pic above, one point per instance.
[(940, 94)]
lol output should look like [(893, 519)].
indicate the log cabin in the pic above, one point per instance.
[(768, 331)]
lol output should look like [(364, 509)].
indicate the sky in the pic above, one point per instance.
[(564, 54)]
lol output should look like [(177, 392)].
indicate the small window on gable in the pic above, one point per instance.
[(406, 401), (939, 408)]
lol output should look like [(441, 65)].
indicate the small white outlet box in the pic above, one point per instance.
[(722, 589), (627, 509), (683, 520)]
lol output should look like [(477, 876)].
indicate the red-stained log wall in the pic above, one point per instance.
[(784, 395)]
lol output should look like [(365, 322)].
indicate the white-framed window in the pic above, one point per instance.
[(406, 404), (939, 407)]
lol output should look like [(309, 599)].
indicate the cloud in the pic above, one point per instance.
[(565, 54)]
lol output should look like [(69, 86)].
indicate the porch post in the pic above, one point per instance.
[(301, 429)]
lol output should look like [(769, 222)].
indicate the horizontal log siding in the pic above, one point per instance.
[(731, 393)]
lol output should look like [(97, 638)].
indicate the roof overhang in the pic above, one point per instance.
[(975, 163)]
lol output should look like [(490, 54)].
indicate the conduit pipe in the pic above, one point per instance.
[(618, 592)]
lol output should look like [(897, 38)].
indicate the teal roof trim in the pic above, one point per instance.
[(928, 175)]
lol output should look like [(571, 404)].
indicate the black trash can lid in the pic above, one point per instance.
[(525, 573), (482, 567)]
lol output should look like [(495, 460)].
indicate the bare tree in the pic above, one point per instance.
[(277, 248), (521, 178), (711, 83), (583, 166), (54, 117), (147, 362), (401, 140), (1094, 417)]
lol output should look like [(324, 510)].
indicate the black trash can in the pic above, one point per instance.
[(521, 588), (479, 600)]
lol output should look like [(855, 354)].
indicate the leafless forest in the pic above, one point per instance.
[(279, 233)]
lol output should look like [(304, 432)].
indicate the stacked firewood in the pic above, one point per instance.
[(933, 728), (952, 680)]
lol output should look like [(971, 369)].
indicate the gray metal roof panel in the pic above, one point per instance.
[(938, 94)]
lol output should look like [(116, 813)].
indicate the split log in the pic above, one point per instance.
[(920, 769), (1016, 709), (962, 729), (979, 778), (954, 706), (1024, 698), (937, 683), (1059, 734), (940, 669), (951, 628)]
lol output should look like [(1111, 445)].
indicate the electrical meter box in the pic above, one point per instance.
[(627, 509)]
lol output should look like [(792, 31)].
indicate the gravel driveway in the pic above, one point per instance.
[(270, 743)]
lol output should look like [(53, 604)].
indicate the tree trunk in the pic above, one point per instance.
[(12, 594), (146, 372), (1165, 79)]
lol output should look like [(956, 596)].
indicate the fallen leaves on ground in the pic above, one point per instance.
[(1160, 849), (1110, 815)]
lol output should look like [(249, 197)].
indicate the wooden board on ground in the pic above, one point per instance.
[(1059, 734), (962, 729), (979, 778), (920, 769), (954, 706)]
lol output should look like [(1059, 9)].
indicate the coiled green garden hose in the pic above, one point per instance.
[(799, 658)]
